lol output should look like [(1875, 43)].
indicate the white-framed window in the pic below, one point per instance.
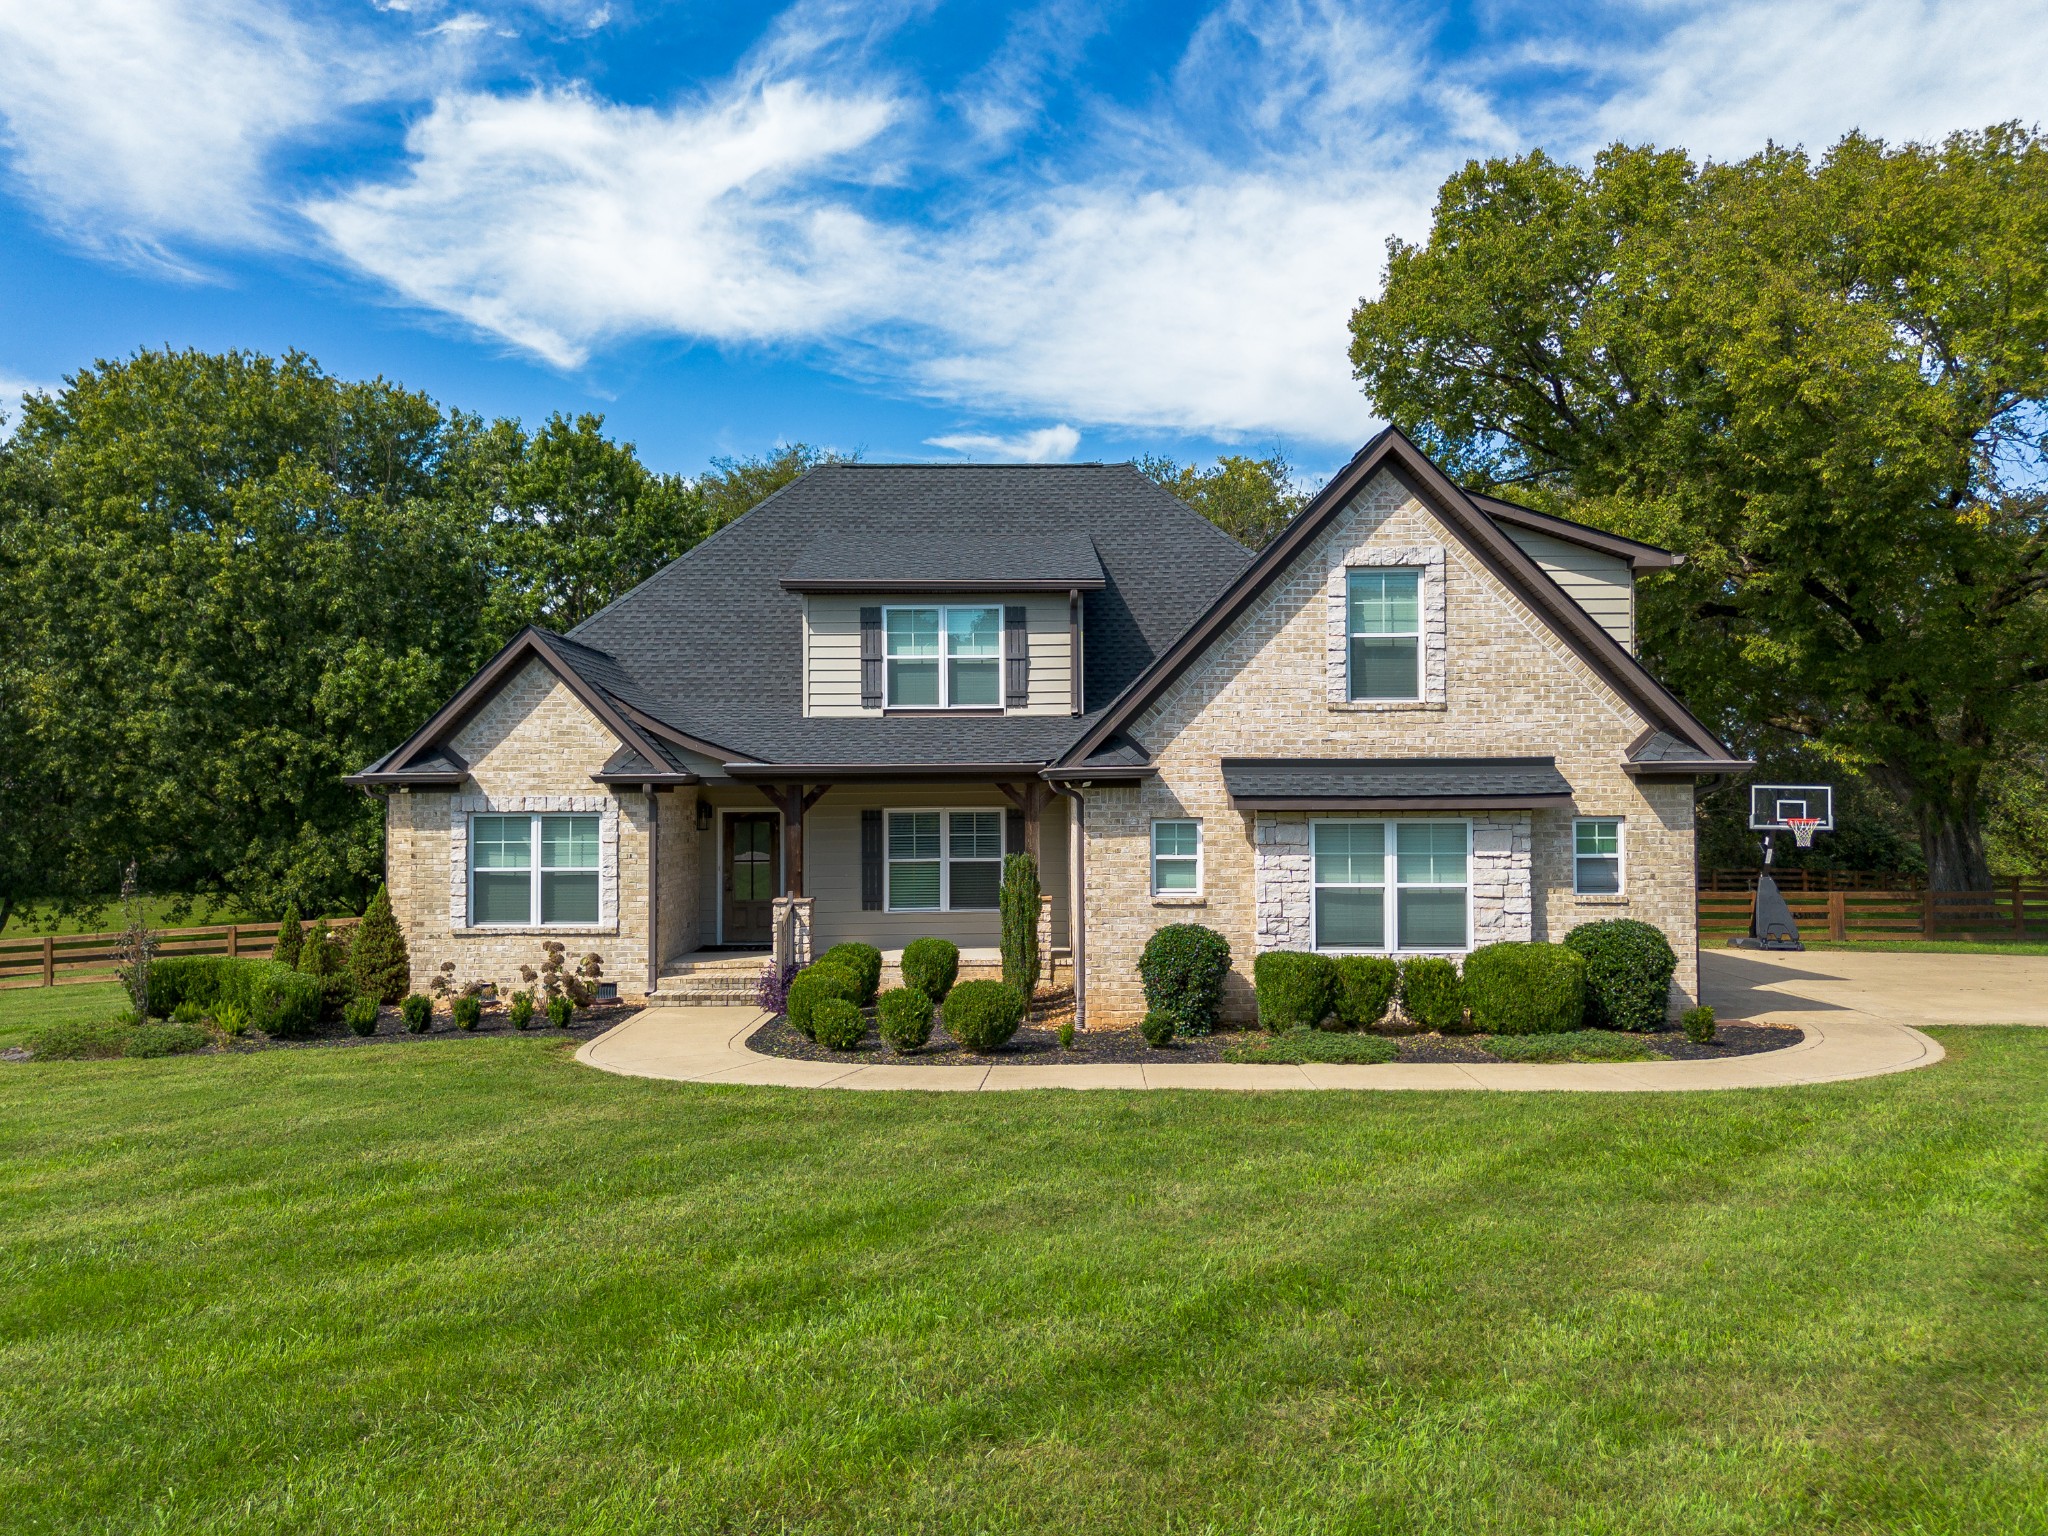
[(1391, 885), (1176, 857), (1596, 856), (943, 657), (533, 870), (1383, 629), (943, 861)]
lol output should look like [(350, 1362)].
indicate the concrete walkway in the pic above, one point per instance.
[(1858, 1014)]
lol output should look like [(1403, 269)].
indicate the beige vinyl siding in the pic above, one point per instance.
[(1603, 585), (832, 651)]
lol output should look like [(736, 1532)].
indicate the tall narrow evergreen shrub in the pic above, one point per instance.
[(291, 935), (378, 964), (1019, 904)]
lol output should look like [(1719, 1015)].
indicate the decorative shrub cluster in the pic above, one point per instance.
[(1182, 968), (863, 962), (1629, 966), (324, 957), (271, 996), (165, 1040), (982, 1015), (291, 934), (837, 1023), (930, 965), (1525, 989), (361, 1015), (906, 1016), (813, 985)]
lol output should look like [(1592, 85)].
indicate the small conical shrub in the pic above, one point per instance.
[(377, 961), (291, 935), (1018, 901)]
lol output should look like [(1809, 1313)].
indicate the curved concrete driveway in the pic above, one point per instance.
[(1858, 1012)]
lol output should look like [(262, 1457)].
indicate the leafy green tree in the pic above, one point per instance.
[(735, 485), (1824, 382), (1249, 499)]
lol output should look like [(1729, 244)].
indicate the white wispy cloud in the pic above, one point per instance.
[(1045, 445)]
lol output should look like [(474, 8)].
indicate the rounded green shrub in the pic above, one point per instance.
[(521, 1011), (1366, 985), (417, 1013), (1066, 1034), (905, 1016), (1430, 994), (1698, 1024), (1182, 969), (1157, 1028), (196, 981), (813, 984), (1295, 988), (837, 1023), (361, 1015), (466, 1012), (863, 962), (931, 966), (165, 1040), (561, 1010), (1525, 989), (282, 1002), (982, 1015), (1629, 965)]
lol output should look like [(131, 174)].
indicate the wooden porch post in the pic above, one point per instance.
[(1029, 797), (793, 803)]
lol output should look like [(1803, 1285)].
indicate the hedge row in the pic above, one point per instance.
[(276, 999)]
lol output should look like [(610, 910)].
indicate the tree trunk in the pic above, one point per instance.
[(1952, 842)]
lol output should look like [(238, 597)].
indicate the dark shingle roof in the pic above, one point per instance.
[(712, 644), (851, 559), (1385, 783)]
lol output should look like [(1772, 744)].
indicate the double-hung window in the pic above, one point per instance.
[(944, 861), (943, 658), (1176, 858), (1596, 856), (525, 865), (1383, 625), (1390, 885)]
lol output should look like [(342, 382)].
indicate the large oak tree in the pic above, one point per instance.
[(1825, 382)]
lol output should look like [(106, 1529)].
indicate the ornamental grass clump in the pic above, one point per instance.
[(931, 966), (1629, 966), (982, 1015), (1366, 985), (1295, 989), (815, 983), (1182, 969), (863, 962), (838, 1024), (1430, 994), (905, 1017), (1525, 989)]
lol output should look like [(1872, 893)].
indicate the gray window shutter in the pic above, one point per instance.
[(871, 861), (1016, 658), (871, 660), (1013, 831)]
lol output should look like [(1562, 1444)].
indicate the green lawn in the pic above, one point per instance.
[(156, 911), (468, 1285), (1936, 946), (23, 1010)]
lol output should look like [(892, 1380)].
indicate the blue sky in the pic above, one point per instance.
[(917, 229)]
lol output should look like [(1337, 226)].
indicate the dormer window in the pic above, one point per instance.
[(944, 657)]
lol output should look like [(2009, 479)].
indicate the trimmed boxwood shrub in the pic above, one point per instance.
[(1525, 989), (177, 980), (466, 1012), (813, 984), (1430, 994), (1698, 1024), (837, 1023), (1183, 967), (982, 1015), (1157, 1028), (280, 1001), (863, 962), (417, 1013), (1629, 966), (561, 1009), (361, 1015), (905, 1018), (1366, 985), (1295, 987), (930, 966), (521, 1011)]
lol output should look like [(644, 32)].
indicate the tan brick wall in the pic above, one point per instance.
[(1511, 689), (533, 746)]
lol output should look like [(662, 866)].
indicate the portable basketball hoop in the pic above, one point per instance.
[(1802, 810)]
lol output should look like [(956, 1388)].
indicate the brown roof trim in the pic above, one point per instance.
[(1397, 802), (674, 737), (1080, 773), (628, 778), (419, 778), (1494, 549), (528, 644), (850, 772), (1640, 556), (1687, 767), (905, 585)]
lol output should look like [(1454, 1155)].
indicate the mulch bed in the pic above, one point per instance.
[(584, 1024), (1037, 1044)]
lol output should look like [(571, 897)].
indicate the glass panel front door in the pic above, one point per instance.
[(753, 874)]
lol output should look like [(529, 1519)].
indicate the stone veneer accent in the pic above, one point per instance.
[(462, 807), (1497, 871), (1511, 688), (1435, 643)]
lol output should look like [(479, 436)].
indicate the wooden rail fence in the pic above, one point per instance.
[(66, 957), (1812, 880), (2015, 910)]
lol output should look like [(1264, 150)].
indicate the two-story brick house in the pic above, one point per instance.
[(1415, 723)]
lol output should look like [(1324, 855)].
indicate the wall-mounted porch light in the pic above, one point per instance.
[(703, 814)]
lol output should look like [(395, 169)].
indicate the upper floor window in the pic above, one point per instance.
[(1596, 856), (523, 865), (1383, 625), (1176, 858), (943, 658)]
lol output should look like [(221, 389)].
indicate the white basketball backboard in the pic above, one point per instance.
[(1773, 807)]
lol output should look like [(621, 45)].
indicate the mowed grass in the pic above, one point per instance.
[(468, 1285), (24, 1010)]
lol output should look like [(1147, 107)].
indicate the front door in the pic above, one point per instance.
[(751, 871)]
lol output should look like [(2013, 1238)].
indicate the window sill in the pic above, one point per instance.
[(1196, 900), (1589, 900), (1382, 706), (904, 711), (514, 931)]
